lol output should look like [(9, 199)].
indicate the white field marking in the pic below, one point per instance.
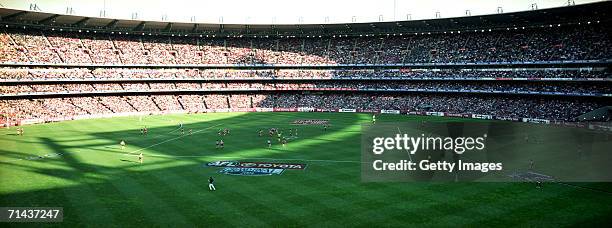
[(410, 157), (243, 158), (164, 134), (157, 136), (292, 137), (172, 139)]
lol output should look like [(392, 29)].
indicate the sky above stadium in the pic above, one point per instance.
[(282, 11)]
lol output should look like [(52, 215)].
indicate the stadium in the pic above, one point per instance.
[(132, 122)]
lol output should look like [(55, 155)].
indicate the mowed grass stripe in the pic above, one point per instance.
[(568, 215), (191, 197), (321, 187), (150, 205), (438, 200), (376, 200), (248, 201), (539, 203), (288, 210), (87, 206), (85, 202), (224, 202), (140, 196), (531, 209), (442, 205)]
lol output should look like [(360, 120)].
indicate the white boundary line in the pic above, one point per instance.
[(171, 139), (165, 134), (170, 132), (154, 137)]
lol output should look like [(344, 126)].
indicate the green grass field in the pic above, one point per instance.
[(83, 170)]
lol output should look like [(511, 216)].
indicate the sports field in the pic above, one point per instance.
[(79, 165)]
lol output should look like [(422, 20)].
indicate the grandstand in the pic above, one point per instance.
[(550, 65), (549, 62)]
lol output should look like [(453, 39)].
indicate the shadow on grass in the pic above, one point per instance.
[(119, 190), (169, 191)]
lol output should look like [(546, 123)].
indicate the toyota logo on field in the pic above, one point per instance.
[(250, 164)]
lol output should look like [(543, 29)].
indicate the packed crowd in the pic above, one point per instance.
[(516, 107), (579, 42), (431, 86), (227, 74), (552, 43)]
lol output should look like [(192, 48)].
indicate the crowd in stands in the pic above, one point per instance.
[(551, 43), (224, 74), (69, 49), (90, 105), (100, 50), (431, 86), (216, 101), (167, 102), (192, 103), (142, 103), (34, 45), (117, 104), (506, 106), (10, 53), (575, 42)]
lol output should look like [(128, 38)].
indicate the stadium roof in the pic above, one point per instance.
[(599, 11)]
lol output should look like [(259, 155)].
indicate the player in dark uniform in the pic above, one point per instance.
[(260, 133), (217, 144)]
